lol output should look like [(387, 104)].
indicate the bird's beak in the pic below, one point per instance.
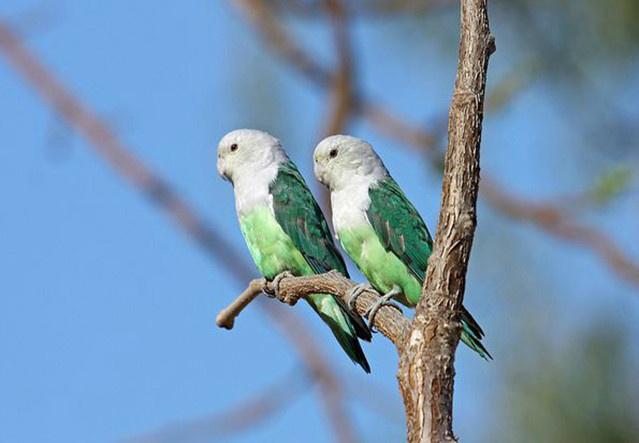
[(320, 173), (221, 169)]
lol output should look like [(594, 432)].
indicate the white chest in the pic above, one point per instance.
[(349, 206), (252, 191)]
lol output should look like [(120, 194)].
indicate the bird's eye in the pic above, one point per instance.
[(333, 153), (234, 147)]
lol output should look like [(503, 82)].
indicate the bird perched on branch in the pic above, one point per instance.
[(378, 227), (284, 227)]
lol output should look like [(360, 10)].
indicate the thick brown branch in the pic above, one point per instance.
[(389, 321), (426, 372)]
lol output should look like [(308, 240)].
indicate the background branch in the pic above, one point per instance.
[(106, 143), (398, 128), (342, 81), (248, 414)]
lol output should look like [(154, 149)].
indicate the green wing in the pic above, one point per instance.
[(402, 231), (301, 218), (399, 226)]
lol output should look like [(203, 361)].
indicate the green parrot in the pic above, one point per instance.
[(284, 227), (378, 227)]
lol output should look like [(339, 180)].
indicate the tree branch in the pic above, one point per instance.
[(389, 321), (426, 372)]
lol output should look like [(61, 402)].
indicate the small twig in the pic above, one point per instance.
[(226, 318), (389, 321)]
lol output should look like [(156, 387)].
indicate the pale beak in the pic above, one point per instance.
[(320, 173), (221, 169)]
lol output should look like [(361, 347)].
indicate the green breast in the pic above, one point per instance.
[(272, 250), (382, 268)]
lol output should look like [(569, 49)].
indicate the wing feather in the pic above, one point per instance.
[(301, 218), (399, 226)]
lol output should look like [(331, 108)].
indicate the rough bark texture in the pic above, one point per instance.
[(426, 372), (389, 321)]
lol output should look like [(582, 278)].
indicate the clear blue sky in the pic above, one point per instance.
[(107, 310)]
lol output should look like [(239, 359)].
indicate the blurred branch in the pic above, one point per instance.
[(369, 8), (342, 81), (261, 16), (330, 388), (553, 220), (389, 321), (376, 399), (399, 129), (426, 370), (248, 414), (107, 144)]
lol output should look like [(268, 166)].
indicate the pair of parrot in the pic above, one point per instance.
[(285, 229)]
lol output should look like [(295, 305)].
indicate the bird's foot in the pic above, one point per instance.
[(384, 300), (355, 292), (275, 292)]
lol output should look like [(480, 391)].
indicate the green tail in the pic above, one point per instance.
[(472, 334), (342, 324)]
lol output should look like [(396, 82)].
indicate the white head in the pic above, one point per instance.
[(245, 152), (340, 160)]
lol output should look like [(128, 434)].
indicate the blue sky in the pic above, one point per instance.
[(107, 310)]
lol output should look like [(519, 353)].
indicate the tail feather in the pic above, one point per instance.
[(472, 323), (472, 334), (361, 328), (338, 318)]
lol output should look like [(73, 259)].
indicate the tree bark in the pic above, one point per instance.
[(426, 371), (389, 321)]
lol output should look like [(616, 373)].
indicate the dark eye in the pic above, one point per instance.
[(234, 147), (333, 153)]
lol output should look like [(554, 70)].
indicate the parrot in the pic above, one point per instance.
[(379, 228), (284, 227)]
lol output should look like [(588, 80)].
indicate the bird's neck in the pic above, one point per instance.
[(354, 178), (252, 190), (350, 202)]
